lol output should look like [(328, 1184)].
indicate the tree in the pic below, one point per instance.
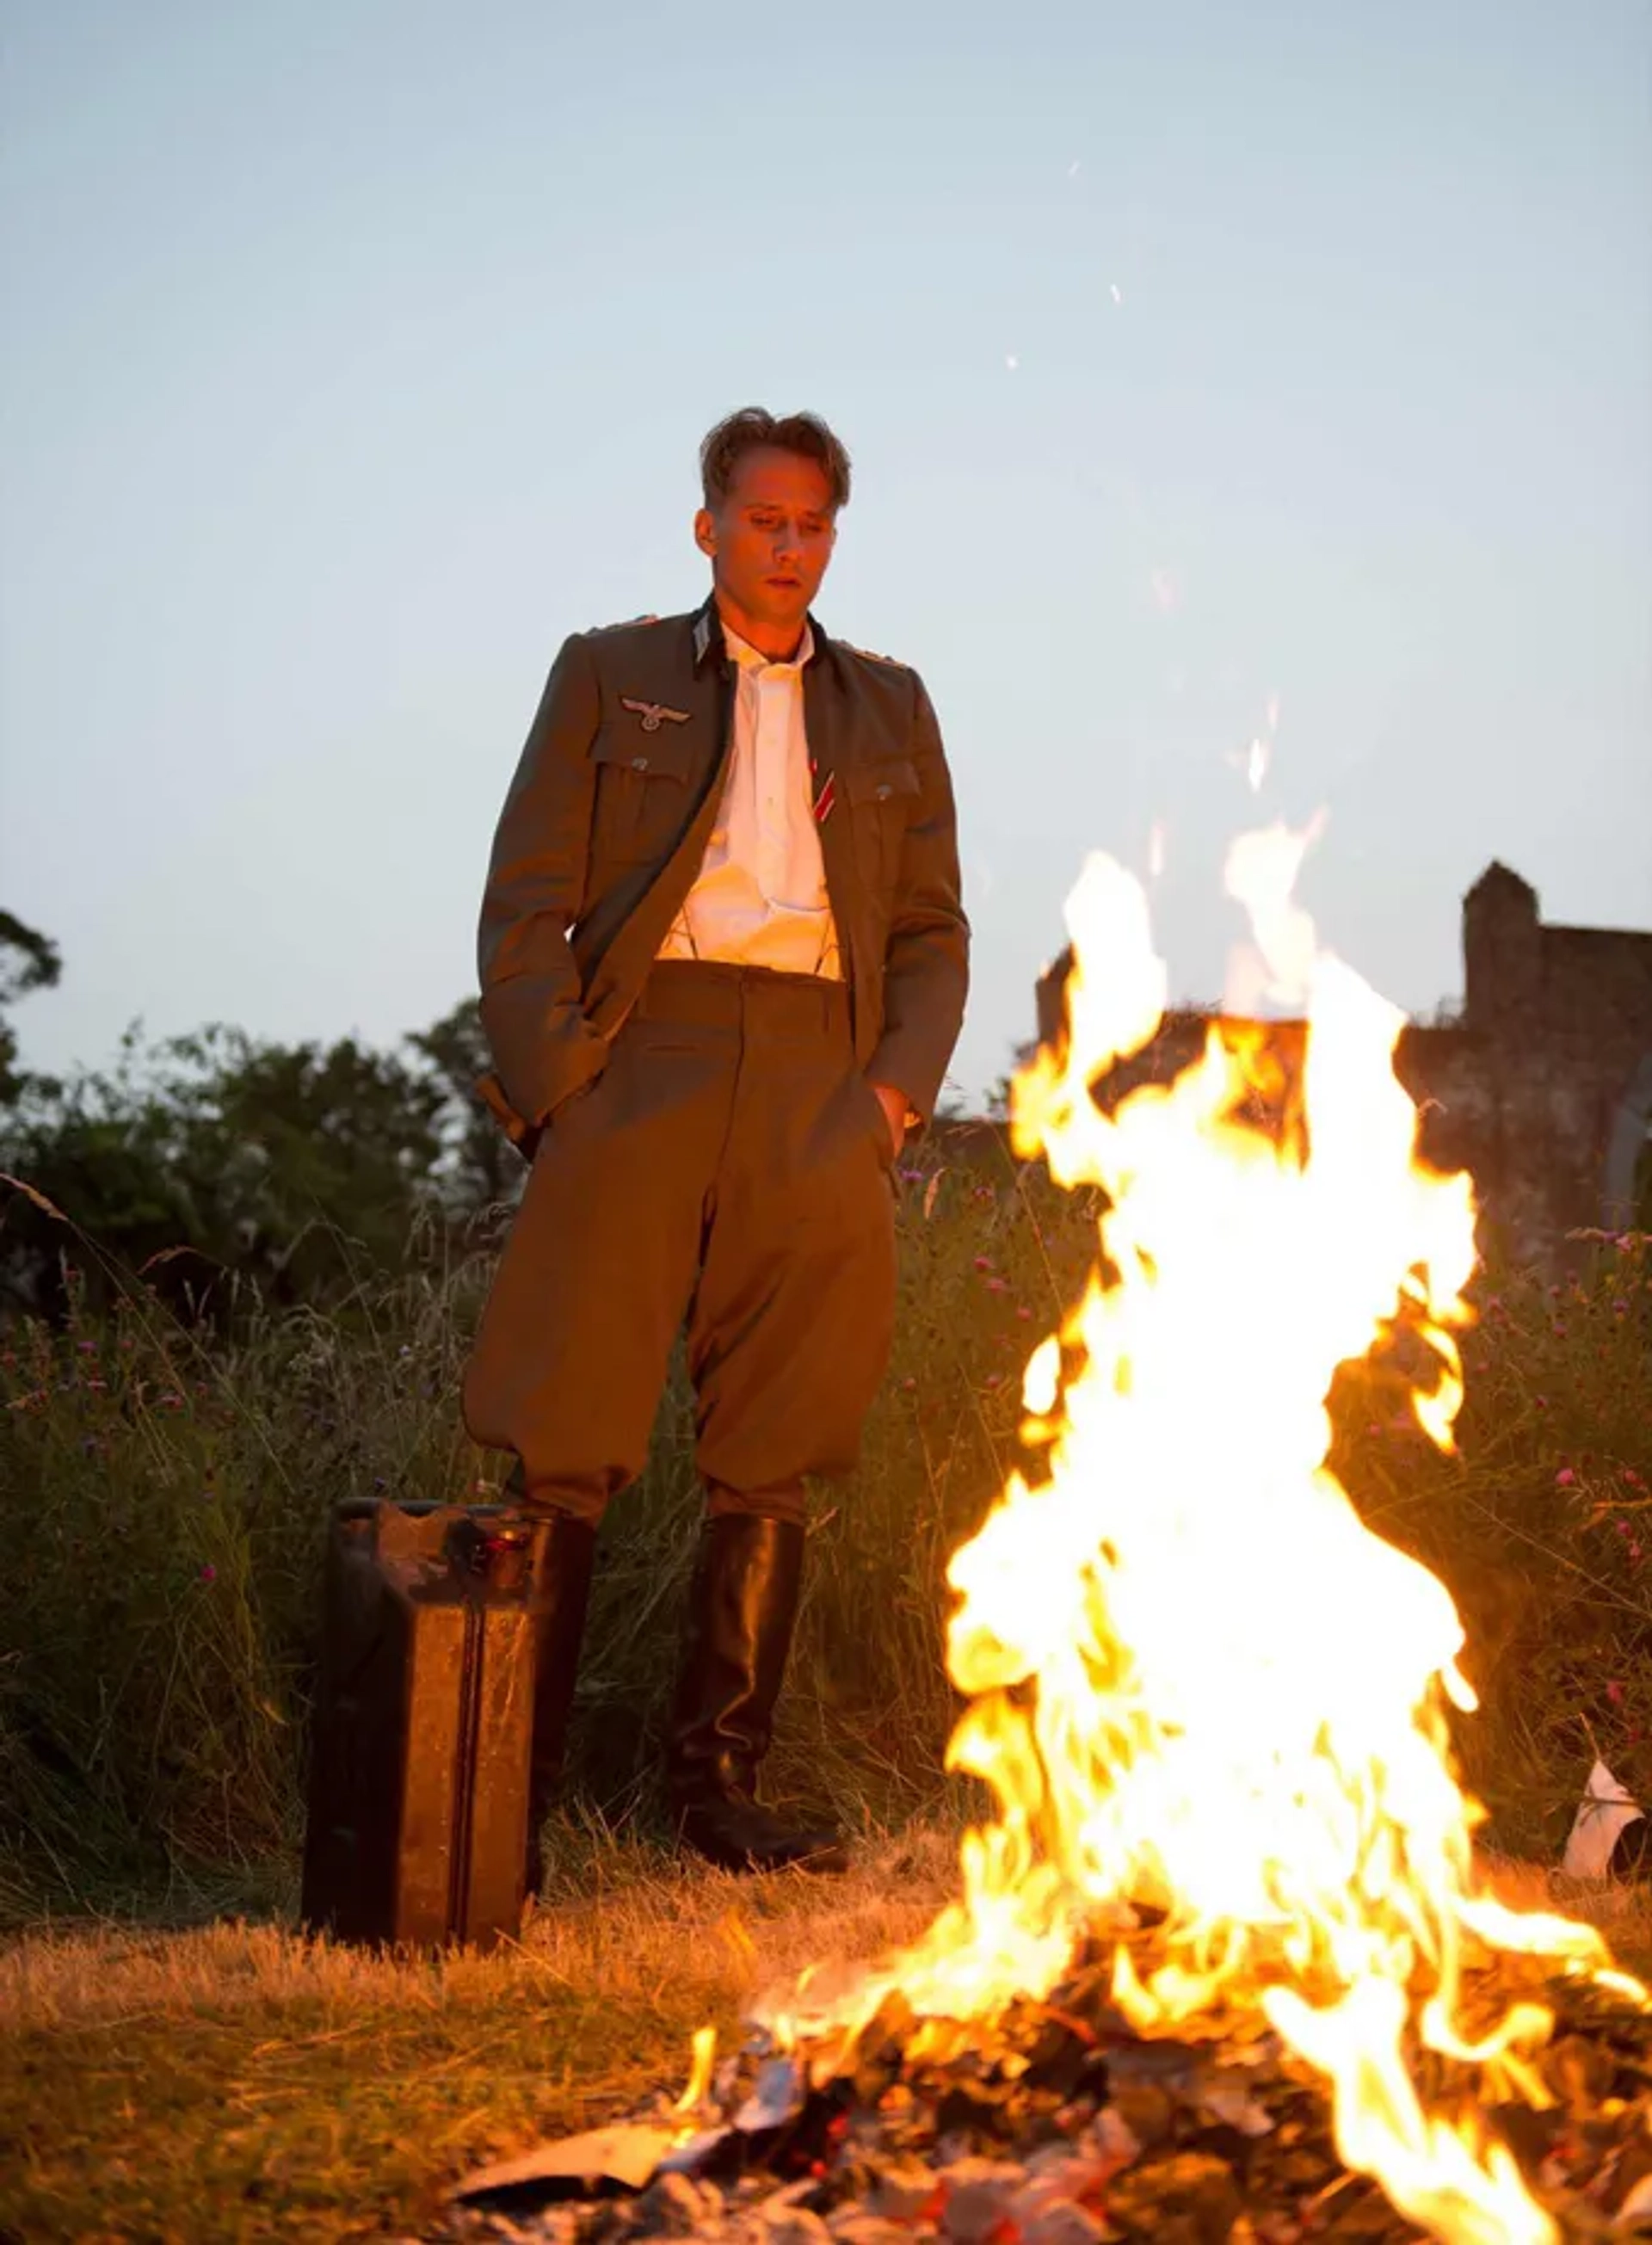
[(216, 1158), (480, 1165), (295, 1166), (29, 961)]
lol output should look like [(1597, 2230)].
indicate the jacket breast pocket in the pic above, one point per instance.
[(883, 794), (641, 796)]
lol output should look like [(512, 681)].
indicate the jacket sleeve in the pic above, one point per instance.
[(544, 1049), (926, 961)]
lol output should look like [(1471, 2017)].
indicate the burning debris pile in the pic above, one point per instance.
[(1222, 1965), (1059, 2125)]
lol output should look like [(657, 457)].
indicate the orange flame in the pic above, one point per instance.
[(1198, 1682)]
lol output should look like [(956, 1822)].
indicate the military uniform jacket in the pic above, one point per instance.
[(604, 828)]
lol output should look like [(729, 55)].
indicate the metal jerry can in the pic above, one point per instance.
[(418, 1819)]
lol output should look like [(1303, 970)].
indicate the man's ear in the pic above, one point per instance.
[(705, 532)]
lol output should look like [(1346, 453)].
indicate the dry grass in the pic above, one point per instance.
[(708, 1932), (1623, 1913), (236, 2082)]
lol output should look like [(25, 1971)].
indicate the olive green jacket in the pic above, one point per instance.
[(604, 828)]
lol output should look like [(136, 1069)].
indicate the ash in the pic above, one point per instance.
[(1058, 2124)]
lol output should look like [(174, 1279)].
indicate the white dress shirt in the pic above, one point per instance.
[(760, 897)]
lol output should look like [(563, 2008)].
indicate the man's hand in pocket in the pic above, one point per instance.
[(893, 1103)]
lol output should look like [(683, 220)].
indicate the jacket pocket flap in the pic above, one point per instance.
[(666, 752), (882, 780)]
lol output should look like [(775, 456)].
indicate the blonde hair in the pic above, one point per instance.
[(741, 432)]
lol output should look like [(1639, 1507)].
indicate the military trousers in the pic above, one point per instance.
[(728, 1170)]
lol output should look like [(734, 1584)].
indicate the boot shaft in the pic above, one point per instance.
[(743, 1606), (565, 1551)]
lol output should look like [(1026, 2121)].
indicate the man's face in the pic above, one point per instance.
[(769, 539)]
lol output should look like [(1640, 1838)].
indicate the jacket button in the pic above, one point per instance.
[(639, 763), (883, 793)]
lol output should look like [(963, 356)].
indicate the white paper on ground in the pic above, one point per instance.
[(688, 2158), (1604, 1814), (1636, 2208), (779, 2091), (628, 2153)]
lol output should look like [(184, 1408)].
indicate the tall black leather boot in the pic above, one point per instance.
[(562, 1564), (741, 1605)]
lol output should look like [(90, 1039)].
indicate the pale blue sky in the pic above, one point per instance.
[(357, 349)]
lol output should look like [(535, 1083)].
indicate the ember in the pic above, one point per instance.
[(1220, 1967)]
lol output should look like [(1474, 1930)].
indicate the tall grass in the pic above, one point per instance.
[(1542, 1528), (163, 1494)]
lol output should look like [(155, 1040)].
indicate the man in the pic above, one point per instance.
[(723, 962)]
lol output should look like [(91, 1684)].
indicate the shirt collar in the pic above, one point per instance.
[(752, 658), (711, 639)]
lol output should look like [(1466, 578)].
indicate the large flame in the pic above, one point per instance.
[(1199, 1684)]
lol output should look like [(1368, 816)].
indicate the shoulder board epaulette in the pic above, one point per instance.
[(624, 623), (872, 655)]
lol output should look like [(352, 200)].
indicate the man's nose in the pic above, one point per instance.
[(789, 543)]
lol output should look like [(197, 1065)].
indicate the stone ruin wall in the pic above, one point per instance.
[(1542, 1087)]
